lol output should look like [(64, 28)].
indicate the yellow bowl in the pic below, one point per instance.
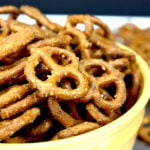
[(117, 135)]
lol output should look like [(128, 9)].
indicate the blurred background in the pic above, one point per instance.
[(97, 7)]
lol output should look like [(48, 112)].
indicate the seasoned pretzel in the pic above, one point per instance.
[(60, 115), (80, 40), (21, 105), (39, 129), (10, 9), (56, 41), (102, 118), (14, 125), (76, 130), (39, 33), (9, 45), (49, 87), (89, 22), (108, 76), (14, 93), (11, 73), (4, 29), (40, 18), (144, 132)]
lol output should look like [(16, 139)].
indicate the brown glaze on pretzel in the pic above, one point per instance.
[(4, 28)]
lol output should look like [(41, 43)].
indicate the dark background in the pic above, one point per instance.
[(95, 7)]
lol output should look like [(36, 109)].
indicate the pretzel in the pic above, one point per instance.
[(49, 87), (9, 45), (12, 72), (56, 41), (5, 29), (80, 40), (99, 116), (21, 105), (40, 18), (39, 129), (14, 93), (76, 130), (64, 118), (144, 132), (39, 33), (15, 124), (103, 81), (89, 22), (10, 9)]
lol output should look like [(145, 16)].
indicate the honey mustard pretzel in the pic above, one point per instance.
[(14, 125), (79, 40), (76, 130), (60, 115), (89, 22), (13, 11), (106, 77), (40, 17), (49, 87)]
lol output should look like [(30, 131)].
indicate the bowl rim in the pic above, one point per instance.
[(142, 101)]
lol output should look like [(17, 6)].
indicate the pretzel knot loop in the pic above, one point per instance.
[(59, 69)]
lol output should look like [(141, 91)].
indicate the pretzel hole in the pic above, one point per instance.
[(96, 71), (42, 72), (80, 26), (67, 83), (110, 89), (128, 80), (62, 60)]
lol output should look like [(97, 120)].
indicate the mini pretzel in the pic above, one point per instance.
[(109, 76), (15, 124), (12, 10), (5, 29), (9, 45), (76, 130), (89, 22), (14, 93), (39, 129), (21, 105), (49, 87), (56, 41), (80, 40), (61, 116), (40, 18), (39, 33), (11, 73), (144, 132), (100, 117)]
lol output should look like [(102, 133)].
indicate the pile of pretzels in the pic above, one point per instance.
[(59, 81)]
